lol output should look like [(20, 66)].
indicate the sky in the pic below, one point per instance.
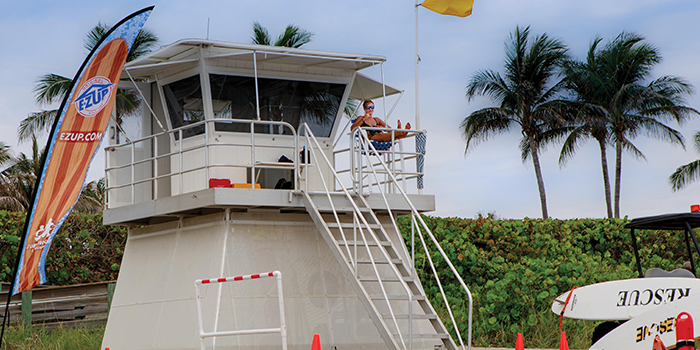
[(39, 37)]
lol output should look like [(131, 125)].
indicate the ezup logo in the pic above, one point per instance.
[(93, 96)]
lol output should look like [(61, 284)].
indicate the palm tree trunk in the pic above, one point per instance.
[(618, 174), (538, 173), (606, 177)]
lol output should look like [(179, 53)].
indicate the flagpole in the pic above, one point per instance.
[(417, 59)]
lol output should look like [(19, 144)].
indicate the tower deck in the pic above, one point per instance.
[(215, 200)]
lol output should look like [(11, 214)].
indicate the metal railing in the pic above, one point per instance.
[(364, 226), (138, 170), (416, 218), (385, 179), (395, 157), (282, 329), (146, 170)]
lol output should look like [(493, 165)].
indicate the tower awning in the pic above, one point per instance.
[(366, 88)]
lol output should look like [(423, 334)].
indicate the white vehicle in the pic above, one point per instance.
[(647, 305)]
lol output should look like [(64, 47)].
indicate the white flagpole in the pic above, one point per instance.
[(417, 59)]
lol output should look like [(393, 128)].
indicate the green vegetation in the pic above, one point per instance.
[(82, 251), (515, 268), (38, 338), (688, 173), (292, 36)]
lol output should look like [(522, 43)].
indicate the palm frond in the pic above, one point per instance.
[(490, 83), (5, 153), (482, 124), (684, 175), (294, 37), (92, 198), (571, 144), (696, 141), (94, 36), (144, 43), (260, 35), (36, 123), (51, 88)]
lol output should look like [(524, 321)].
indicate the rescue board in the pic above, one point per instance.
[(624, 299), (638, 333)]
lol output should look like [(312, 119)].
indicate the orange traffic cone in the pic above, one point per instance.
[(316, 344), (519, 344), (658, 344), (564, 345)]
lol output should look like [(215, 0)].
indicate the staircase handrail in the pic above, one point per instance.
[(309, 137), (371, 150)]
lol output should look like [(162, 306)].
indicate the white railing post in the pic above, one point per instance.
[(133, 174), (180, 174), (155, 167)]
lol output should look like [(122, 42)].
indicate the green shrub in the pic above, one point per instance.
[(515, 268), (82, 251)]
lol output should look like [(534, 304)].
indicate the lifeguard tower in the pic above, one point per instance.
[(246, 165)]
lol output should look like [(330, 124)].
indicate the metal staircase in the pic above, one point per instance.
[(374, 258)]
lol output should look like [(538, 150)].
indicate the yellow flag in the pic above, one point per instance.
[(459, 8)]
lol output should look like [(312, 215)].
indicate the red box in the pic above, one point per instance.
[(219, 183)]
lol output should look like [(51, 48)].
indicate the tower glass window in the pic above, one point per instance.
[(293, 101), (184, 101)]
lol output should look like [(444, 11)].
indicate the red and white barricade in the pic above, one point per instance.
[(282, 329)]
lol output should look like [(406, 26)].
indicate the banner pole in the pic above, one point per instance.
[(6, 317), (44, 159)]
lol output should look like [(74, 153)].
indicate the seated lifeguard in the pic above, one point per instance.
[(368, 121)]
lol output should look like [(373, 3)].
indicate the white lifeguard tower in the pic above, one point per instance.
[(206, 192)]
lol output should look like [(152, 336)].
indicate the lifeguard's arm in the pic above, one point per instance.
[(357, 122)]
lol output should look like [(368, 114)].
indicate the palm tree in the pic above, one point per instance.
[(5, 153), (17, 181), (522, 94), (588, 119), (51, 87), (291, 37), (91, 200), (618, 105)]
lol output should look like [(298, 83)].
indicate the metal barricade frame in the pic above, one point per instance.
[(282, 329)]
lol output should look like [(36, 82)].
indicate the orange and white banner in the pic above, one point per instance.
[(76, 135)]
